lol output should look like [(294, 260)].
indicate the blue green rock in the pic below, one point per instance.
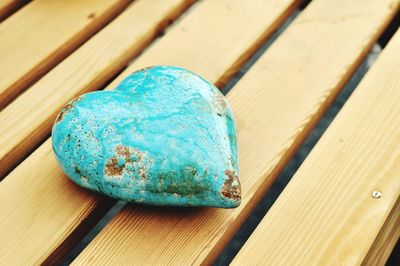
[(163, 136)]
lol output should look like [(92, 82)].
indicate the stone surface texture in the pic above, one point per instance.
[(164, 136)]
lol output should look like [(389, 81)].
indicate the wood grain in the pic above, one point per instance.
[(7, 7), (34, 193), (28, 120), (327, 215), (42, 33), (275, 104)]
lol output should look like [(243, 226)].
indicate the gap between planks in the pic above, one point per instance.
[(296, 79), (42, 33), (327, 215), (7, 7), (201, 51)]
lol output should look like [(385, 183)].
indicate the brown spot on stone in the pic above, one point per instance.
[(66, 108), (143, 172), (123, 152), (231, 188), (91, 15), (112, 168)]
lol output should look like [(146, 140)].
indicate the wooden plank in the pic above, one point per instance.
[(48, 187), (327, 214), (276, 104), (42, 33), (28, 119), (7, 7)]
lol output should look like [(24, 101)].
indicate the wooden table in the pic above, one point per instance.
[(342, 207)]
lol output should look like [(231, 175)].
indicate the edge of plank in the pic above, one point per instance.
[(386, 239)]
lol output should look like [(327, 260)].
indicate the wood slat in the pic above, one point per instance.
[(276, 104), (37, 189), (327, 215), (28, 119), (7, 7), (42, 33)]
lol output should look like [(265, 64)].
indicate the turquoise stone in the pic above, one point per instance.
[(163, 136)]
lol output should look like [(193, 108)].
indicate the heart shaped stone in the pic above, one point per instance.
[(164, 136)]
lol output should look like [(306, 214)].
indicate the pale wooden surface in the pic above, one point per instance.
[(42, 33), (8, 6), (327, 215), (275, 105), (37, 188), (28, 119)]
